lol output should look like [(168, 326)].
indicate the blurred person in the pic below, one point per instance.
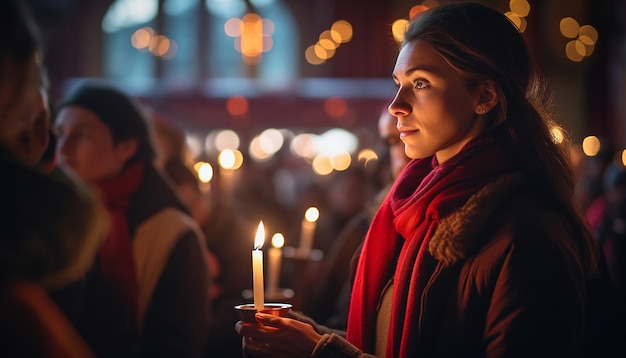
[(389, 134), (169, 141), (346, 194), (228, 238), (49, 227), (612, 230), (254, 195), (24, 120), (608, 298), (329, 300), (25, 115), (50, 230), (147, 293), (479, 249), (591, 187)]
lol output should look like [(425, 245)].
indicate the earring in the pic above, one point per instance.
[(482, 109)]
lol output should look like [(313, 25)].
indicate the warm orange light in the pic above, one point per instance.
[(312, 214), (591, 146), (253, 36), (237, 106), (335, 106), (141, 38), (259, 239), (278, 240), (416, 10)]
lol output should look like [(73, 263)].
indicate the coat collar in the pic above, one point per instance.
[(458, 235)]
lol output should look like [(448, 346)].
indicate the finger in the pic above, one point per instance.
[(269, 320), (255, 348), (248, 329), (238, 327)]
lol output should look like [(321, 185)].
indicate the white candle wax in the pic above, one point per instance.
[(307, 230), (274, 254), (257, 268)]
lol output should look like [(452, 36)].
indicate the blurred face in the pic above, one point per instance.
[(85, 145), (389, 133), (436, 111), (24, 117)]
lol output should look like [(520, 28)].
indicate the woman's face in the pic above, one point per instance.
[(85, 145), (24, 116), (437, 113)]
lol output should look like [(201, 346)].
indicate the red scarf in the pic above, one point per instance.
[(117, 274), (421, 197)]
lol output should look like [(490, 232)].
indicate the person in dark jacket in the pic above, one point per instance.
[(479, 249), (147, 294)]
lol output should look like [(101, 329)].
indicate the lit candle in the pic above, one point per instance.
[(257, 268), (307, 230), (274, 254)]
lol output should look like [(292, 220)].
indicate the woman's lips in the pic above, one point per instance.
[(405, 132)]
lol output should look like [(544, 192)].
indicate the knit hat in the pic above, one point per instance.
[(115, 109)]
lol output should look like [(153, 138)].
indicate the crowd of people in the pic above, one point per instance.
[(468, 239)]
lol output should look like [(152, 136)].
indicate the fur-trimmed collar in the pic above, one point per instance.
[(459, 234)]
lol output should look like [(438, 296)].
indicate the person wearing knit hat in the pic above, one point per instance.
[(147, 293), (117, 112)]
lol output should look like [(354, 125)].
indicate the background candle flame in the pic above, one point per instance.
[(278, 240), (312, 214), (259, 239)]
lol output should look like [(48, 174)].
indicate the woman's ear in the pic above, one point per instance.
[(488, 97), (126, 149)]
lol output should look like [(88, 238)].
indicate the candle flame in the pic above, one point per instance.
[(312, 214), (278, 240), (259, 239)]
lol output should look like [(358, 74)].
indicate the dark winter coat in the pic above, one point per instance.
[(507, 282)]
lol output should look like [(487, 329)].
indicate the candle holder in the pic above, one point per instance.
[(246, 311)]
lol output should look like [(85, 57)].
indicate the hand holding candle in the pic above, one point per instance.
[(257, 268), (274, 256)]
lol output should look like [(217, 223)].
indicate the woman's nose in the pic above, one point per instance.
[(398, 107)]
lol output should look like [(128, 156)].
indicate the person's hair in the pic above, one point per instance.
[(51, 226), (20, 48), (116, 110), (482, 44), (181, 174)]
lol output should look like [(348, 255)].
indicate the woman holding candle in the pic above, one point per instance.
[(479, 249)]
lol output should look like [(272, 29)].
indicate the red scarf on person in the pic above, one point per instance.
[(117, 273), (421, 197)]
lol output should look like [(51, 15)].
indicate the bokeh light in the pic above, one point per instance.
[(142, 37), (321, 165), (340, 161), (569, 27), (591, 146), (205, 172), (335, 106), (520, 7), (278, 240), (367, 155), (227, 139), (398, 28), (230, 159), (312, 214), (237, 105)]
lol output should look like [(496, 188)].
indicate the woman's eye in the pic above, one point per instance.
[(420, 84)]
